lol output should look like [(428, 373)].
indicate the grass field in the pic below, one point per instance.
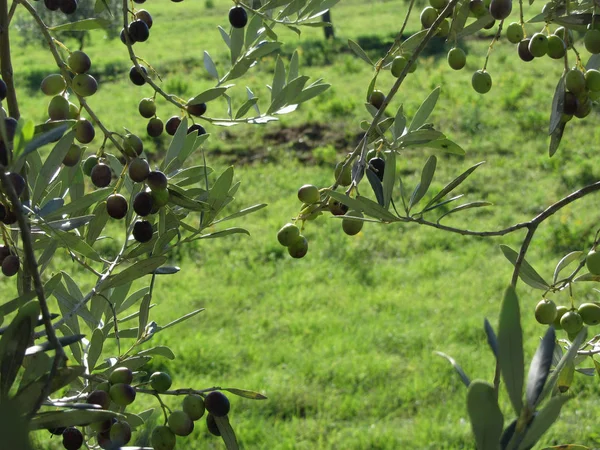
[(342, 341)]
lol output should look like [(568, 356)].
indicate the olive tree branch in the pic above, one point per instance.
[(6, 68), (32, 268)]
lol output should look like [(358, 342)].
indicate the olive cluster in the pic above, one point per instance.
[(155, 127), (66, 6), (181, 422), (572, 319)]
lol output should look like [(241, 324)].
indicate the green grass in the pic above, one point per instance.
[(342, 341)]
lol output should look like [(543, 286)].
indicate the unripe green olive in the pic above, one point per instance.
[(591, 41), (457, 58), (53, 84), (120, 434), (377, 98), (132, 145), (121, 375), (309, 194), (122, 394), (89, 164), (428, 16), (571, 322), (58, 108), (592, 262), (514, 33), (193, 406), (545, 312), (481, 82), (575, 81), (79, 62), (590, 313), (592, 80), (298, 248), (162, 438), (288, 234), (346, 176), (147, 108), (73, 155), (84, 84), (538, 45), (352, 227), (180, 423), (560, 311), (556, 47)]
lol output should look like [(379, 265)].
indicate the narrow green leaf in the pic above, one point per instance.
[(567, 358), (463, 376), (177, 143), (375, 185), (144, 314), (543, 421), (236, 39), (209, 65), (423, 186), (491, 337), (95, 349), (478, 204), (182, 318), (565, 261), (445, 145), (47, 346), (487, 420), (208, 95), (14, 342), (425, 110), (223, 233), (399, 123), (365, 205), (510, 348), (566, 376), (177, 196), (413, 41), (159, 350), (227, 433), (475, 26), (77, 245), (82, 25), (241, 112), (358, 51), (97, 224), (311, 92), (461, 13), (70, 417), (527, 273), (137, 270), (389, 178), (540, 368), (242, 212), (453, 184), (245, 393), (557, 104), (555, 138), (278, 79), (81, 203), (51, 165)]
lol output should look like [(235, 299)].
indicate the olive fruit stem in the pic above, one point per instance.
[(491, 46)]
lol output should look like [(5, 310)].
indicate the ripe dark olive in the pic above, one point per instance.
[(155, 127), (68, 6), (238, 18), (156, 180), (143, 204), (138, 29), (138, 170), (197, 110), (116, 206), (378, 166), (18, 182), (500, 9), (136, 77), (10, 217), (79, 62), (10, 124), (212, 425), (10, 265), (145, 17), (103, 439), (122, 394), (5, 250), (197, 127), (100, 398), (3, 90), (523, 50), (172, 125), (142, 231), (571, 103), (72, 438), (57, 431), (217, 404), (52, 5), (3, 153), (123, 39), (101, 175), (73, 155), (84, 131)]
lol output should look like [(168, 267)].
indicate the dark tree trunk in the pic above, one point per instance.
[(328, 30)]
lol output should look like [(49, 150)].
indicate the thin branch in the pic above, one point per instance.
[(5, 61), (521, 257)]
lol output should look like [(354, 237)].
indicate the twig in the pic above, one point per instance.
[(5, 61)]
